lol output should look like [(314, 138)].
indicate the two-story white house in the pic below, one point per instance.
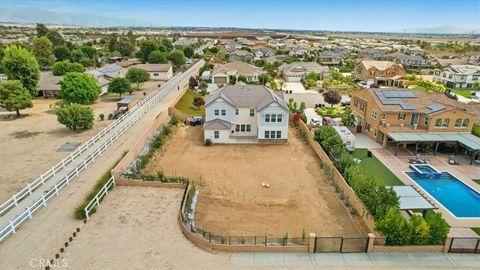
[(245, 114)]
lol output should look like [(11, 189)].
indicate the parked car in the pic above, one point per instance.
[(315, 122), (121, 111), (328, 121)]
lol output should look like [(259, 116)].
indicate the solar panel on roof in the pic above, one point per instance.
[(435, 108), (398, 94), (406, 106)]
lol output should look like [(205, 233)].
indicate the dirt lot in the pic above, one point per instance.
[(232, 200), (29, 144)]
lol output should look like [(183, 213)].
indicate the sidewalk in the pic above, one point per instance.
[(376, 260)]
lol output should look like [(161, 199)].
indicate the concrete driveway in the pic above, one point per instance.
[(310, 113)]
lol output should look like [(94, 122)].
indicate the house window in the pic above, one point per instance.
[(267, 134), (249, 128), (217, 112), (273, 118), (465, 122), (401, 116), (279, 134), (375, 132), (445, 122), (427, 119), (224, 112), (267, 117), (458, 122), (155, 74), (237, 128), (252, 112), (279, 118), (384, 116), (236, 111), (216, 134), (374, 114), (438, 122)]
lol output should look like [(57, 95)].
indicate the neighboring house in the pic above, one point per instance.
[(233, 46), (383, 112), (375, 54), (158, 72), (241, 55), (275, 58), (443, 63), (385, 73), (245, 114), (49, 85), (297, 71), (298, 51), (105, 74), (410, 61), (458, 76), (221, 74), (473, 57), (331, 58), (263, 52)]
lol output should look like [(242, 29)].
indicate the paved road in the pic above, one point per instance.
[(50, 224)]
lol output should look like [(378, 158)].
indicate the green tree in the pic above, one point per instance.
[(232, 79), (157, 57), (43, 51), (55, 38), (62, 53), (177, 58), (14, 97), (75, 116), (90, 52), (137, 75), (348, 119), (263, 79), (395, 227), (41, 29), (62, 67), (242, 78), (79, 88), (188, 51), (20, 64), (198, 102), (146, 47), (119, 86), (126, 47), (420, 230), (167, 44), (438, 227)]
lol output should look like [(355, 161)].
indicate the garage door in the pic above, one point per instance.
[(294, 78), (220, 80)]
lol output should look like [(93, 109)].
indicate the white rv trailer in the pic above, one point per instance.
[(347, 137)]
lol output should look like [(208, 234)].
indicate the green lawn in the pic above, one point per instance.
[(185, 104), (477, 181), (476, 230), (463, 93), (333, 112), (372, 166)]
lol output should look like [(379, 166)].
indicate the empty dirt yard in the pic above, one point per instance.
[(29, 144), (232, 200)]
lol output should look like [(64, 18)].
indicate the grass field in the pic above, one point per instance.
[(463, 93), (477, 181), (372, 166), (185, 104), (476, 230)]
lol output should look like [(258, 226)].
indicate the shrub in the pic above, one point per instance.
[(438, 227), (395, 227), (75, 116), (174, 120), (101, 116)]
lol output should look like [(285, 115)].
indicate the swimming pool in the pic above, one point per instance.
[(458, 198), (425, 170)]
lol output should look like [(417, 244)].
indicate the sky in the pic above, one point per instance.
[(340, 15)]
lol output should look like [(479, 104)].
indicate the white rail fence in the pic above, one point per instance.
[(136, 113), (98, 197)]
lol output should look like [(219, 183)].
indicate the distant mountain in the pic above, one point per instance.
[(446, 29)]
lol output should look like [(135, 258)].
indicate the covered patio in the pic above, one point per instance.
[(466, 141), (411, 199)]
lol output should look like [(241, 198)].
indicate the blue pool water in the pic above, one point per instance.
[(426, 169), (453, 194)]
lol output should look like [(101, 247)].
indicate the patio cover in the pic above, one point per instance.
[(410, 199), (468, 140)]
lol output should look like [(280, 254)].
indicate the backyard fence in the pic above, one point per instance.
[(128, 119), (99, 197), (341, 244)]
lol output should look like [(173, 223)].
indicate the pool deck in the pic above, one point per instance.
[(464, 172)]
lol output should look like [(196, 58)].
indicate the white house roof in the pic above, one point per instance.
[(247, 96), (154, 67)]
